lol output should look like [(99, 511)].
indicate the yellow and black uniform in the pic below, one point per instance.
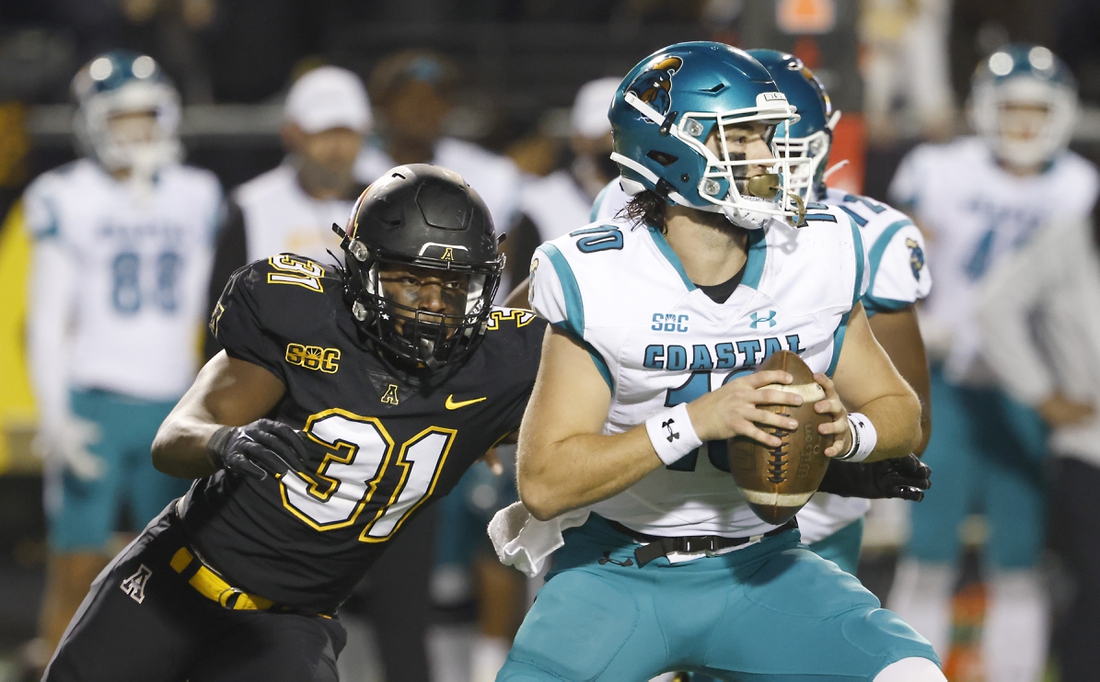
[(237, 554)]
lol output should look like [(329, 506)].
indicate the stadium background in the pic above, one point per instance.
[(522, 62)]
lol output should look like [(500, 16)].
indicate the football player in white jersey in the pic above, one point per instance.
[(977, 199), (122, 249), (832, 522), (658, 321)]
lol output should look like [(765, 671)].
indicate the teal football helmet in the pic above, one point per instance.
[(1028, 76), (811, 137), (665, 110), (124, 82)]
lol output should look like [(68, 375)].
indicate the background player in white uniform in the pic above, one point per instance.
[(123, 242), (830, 524), (657, 321), (977, 199)]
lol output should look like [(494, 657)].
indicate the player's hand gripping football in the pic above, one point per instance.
[(905, 477), (838, 427), (258, 449), (733, 410)]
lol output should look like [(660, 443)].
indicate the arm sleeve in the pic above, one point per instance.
[(49, 311), (1008, 296), (899, 275), (230, 254), (237, 322), (554, 294)]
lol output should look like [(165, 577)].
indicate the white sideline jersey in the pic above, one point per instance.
[(556, 204), (898, 277), (279, 217), (141, 273), (974, 212), (659, 341)]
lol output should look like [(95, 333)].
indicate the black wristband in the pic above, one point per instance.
[(215, 447)]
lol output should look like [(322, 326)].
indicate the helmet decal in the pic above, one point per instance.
[(652, 86)]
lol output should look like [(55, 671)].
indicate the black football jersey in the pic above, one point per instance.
[(381, 448)]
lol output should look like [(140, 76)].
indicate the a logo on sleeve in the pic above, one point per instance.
[(313, 357), (916, 257), (135, 584), (390, 396)]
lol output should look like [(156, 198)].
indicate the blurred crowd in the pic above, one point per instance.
[(369, 84)]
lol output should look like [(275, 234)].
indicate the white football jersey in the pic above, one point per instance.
[(142, 272), (898, 277), (279, 217), (973, 213), (659, 341)]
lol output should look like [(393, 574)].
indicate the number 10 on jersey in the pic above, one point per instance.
[(361, 457)]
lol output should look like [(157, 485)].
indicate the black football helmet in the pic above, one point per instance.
[(425, 216)]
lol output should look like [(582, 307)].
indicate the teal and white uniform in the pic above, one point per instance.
[(117, 342), (984, 447), (898, 277), (658, 341), (830, 524)]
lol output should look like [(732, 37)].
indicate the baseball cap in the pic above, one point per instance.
[(589, 118), (329, 97)]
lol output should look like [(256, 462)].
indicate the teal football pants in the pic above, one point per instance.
[(842, 547), (83, 514), (771, 611), (985, 453)]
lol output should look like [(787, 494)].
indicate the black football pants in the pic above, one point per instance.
[(158, 628), (1075, 536)]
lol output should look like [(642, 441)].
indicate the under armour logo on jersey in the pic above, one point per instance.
[(756, 319), (390, 397), (135, 584), (672, 435)]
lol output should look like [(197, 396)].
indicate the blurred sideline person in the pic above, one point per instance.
[(1052, 287), (662, 564), (414, 93), (123, 241), (553, 205), (978, 199), (292, 207), (347, 399)]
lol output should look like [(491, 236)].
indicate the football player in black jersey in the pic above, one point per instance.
[(346, 400)]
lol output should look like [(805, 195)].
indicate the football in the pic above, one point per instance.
[(777, 482)]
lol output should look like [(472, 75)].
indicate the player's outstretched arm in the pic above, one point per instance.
[(564, 462), (898, 333), (227, 392), (867, 382)]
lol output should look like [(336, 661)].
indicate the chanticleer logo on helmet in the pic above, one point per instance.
[(654, 84)]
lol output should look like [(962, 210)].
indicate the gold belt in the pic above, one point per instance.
[(211, 585)]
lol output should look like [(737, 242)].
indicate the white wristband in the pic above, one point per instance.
[(672, 434), (864, 438)]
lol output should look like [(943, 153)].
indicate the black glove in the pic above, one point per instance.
[(258, 449), (905, 477)]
